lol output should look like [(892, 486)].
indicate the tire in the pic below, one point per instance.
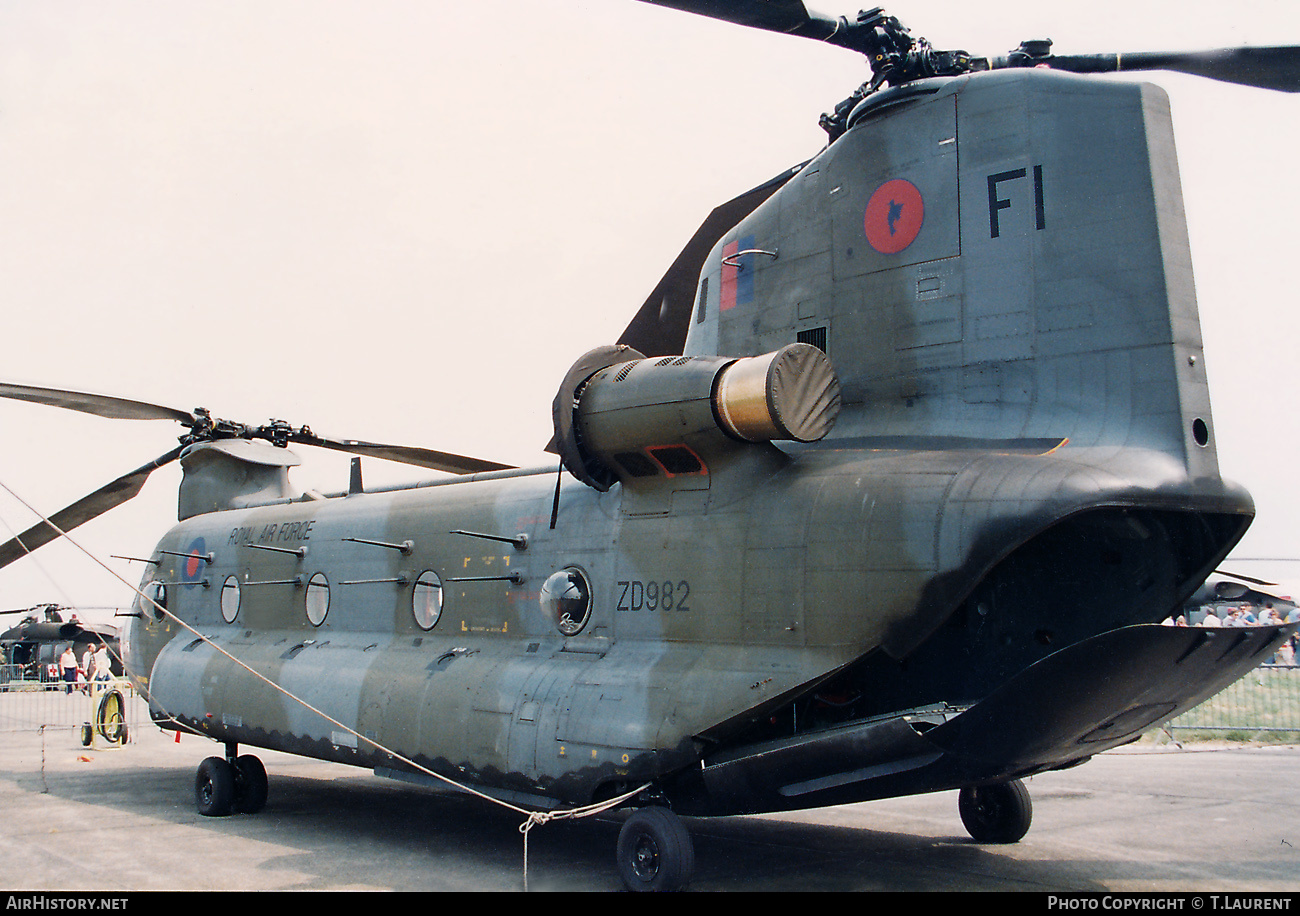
[(655, 852), (250, 784), (997, 813), (87, 735), (110, 718), (214, 788)]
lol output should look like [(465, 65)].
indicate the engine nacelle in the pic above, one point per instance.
[(621, 416)]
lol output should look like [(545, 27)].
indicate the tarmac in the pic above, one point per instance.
[(1148, 818)]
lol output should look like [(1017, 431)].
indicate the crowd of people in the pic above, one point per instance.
[(93, 666), (1245, 615)]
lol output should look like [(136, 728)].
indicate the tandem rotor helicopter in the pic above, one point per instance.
[(883, 491)]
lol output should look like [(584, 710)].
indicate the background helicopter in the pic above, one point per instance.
[(32, 644), (1226, 591)]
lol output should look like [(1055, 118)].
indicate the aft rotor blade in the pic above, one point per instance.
[(83, 510), (1261, 68), (659, 326), (405, 454), (789, 16), (101, 405)]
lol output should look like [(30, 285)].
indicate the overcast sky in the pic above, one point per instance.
[(402, 221)]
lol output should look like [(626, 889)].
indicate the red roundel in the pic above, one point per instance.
[(894, 216), (196, 556)]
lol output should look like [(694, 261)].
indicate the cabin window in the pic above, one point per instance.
[(230, 599), (566, 600), (318, 599), (426, 600), (154, 601)]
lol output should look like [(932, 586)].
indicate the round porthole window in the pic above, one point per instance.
[(566, 600), (426, 600), (230, 599), (154, 601), (318, 599)]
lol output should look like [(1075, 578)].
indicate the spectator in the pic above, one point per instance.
[(68, 665), (102, 672)]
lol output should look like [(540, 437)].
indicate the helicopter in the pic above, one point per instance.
[(32, 646), (883, 491), (1226, 591)]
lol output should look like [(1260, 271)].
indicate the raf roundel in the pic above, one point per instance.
[(894, 216), (196, 556)]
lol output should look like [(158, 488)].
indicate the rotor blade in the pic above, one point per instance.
[(59, 607), (1261, 68), (83, 510), (1233, 575), (659, 326), (788, 16), (99, 404), (404, 454)]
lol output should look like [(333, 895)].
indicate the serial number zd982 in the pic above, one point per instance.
[(635, 595)]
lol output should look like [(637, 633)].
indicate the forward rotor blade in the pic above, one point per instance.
[(125, 409), (100, 405), (404, 454), (83, 510), (1261, 68)]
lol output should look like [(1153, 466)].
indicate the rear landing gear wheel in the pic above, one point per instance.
[(655, 852), (997, 813), (214, 788), (250, 784)]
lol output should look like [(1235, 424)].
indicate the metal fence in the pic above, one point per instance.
[(1265, 704), (101, 712)]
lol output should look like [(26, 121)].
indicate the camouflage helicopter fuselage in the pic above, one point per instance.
[(956, 584)]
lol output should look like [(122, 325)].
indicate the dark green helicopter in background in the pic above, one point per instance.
[(30, 649), (885, 490)]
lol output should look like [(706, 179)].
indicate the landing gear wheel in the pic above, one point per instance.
[(250, 784), (214, 788), (655, 853), (87, 735), (997, 813)]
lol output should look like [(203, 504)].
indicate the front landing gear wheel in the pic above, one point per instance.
[(998, 813), (655, 853), (214, 788)]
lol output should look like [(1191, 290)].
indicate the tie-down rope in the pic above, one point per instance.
[(533, 818)]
